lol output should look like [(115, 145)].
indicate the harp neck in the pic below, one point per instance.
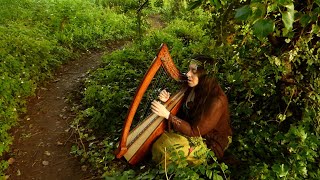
[(162, 59)]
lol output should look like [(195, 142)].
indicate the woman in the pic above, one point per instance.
[(205, 109)]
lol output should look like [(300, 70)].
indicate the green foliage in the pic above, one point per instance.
[(27, 56), (288, 18), (62, 19), (121, 6), (3, 165), (97, 24), (269, 90), (117, 81), (267, 60), (269, 109), (109, 91), (110, 87), (38, 36), (263, 27), (243, 13), (180, 169), (272, 11)]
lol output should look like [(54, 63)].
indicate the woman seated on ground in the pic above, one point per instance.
[(204, 111)]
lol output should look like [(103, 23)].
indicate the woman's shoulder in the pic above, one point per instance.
[(220, 102)]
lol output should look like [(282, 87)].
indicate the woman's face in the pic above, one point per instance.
[(192, 75)]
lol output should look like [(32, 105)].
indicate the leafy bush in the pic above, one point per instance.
[(267, 61), (38, 36), (27, 57), (109, 90), (121, 6), (272, 81), (81, 24), (123, 69)]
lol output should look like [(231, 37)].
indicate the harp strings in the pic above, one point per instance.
[(158, 83)]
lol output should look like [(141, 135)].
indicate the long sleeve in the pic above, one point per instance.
[(204, 124)]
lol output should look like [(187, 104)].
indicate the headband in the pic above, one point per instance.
[(197, 63)]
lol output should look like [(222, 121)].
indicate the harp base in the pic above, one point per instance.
[(137, 151), (120, 152), (144, 149)]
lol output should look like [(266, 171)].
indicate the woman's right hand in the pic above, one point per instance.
[(164, 96)]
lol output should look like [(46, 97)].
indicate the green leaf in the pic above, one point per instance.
[(258, 10), (263, 27), (284, 2), (272, 7), (209, 173), (217, 177), (316, 29), (281, 170), (243, 13), (281, 117), (316, 11), (195, 4), (288, 18), (304, 20), (224, 167), (216, 3), (315, 14)]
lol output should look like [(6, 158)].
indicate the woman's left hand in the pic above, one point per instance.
[(159, 109), (164, 95)]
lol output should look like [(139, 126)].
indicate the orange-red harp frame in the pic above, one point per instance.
[(158, 124)]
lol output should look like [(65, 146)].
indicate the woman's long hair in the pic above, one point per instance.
[(207, 91)]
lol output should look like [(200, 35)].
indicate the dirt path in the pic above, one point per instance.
[(42, 142)]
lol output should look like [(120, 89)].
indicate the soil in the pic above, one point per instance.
[(43, 140)]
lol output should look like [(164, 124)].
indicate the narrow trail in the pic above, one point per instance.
[(43, 139)]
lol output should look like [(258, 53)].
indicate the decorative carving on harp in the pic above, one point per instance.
[(135, 144)]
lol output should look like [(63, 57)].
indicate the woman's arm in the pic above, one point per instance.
[(205, 124)]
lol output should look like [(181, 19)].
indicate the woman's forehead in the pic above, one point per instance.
[(193, 66)]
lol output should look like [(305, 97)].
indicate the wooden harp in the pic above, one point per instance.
[(134, 144)]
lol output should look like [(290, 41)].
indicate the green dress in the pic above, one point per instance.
[(174, 147)]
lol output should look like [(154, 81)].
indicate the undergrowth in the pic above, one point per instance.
[(268, 69), (36, 37)]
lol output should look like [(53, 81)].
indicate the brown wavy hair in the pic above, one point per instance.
[(208, 90)]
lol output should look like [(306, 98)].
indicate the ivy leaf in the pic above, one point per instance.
[(304, 20), (281, 170), (272, 7), (224, 167), (209, 174), (195, 4), (254, 1), (243, 13), (216, 3), (315, 13), (216, 176), (283, 2), (258, 10), (281, 117), (263, 27), (288, 18), (316, 29)]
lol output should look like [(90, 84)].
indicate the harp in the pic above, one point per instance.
[(135, 144)]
